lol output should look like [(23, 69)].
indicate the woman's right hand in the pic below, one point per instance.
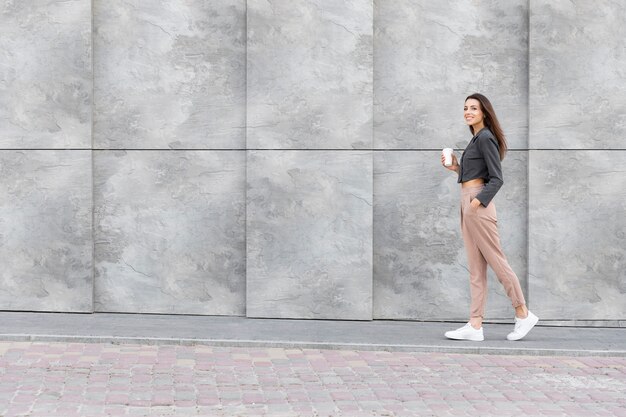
[(455, 163)]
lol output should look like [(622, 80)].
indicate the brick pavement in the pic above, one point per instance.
[(85, 379)]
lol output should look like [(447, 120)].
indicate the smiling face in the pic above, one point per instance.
[(473, 114)]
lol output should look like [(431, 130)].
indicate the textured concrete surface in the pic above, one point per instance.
[(309, 74), (45, 231), (420, 266), (577, 77), (309, 234), (88, 380), (170, 231), (577, 233), (384, 75), (45, 74), (169, 74), (428, 56)]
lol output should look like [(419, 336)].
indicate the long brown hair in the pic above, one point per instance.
[(491, 121)]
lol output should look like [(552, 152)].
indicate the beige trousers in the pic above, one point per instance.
[(482, 243)]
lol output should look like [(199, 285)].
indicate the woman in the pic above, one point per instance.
[(480, 175)]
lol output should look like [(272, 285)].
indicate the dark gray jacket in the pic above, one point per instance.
[(481, 159)]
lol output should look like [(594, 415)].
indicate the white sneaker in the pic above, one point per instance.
[(523, 326), (466, 332)]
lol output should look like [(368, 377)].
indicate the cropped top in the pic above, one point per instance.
[(481, 159)]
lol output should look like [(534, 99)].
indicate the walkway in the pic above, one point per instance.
[(322, 334), (94, 365), (92, 380)]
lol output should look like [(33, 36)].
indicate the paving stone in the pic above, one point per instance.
[(386, 383)]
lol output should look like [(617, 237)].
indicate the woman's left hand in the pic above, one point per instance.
[(475, 203)]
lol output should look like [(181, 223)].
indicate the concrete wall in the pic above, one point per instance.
[(577, 227), (169, 169), (309, 202), (281, 159), (46, 243)]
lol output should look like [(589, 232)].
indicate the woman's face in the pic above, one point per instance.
[(473, 114)]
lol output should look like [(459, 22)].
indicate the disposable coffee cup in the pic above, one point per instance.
[(447, 154)]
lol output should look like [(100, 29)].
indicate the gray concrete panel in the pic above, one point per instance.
[(577, 234), (46, 249), (420, 265), (170, 231), (309, 74), (309, 234), (45, 74), (429, 56), (577, 75), (169, 74)]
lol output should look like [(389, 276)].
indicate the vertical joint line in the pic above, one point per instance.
[(93, 191), (528, 184)]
